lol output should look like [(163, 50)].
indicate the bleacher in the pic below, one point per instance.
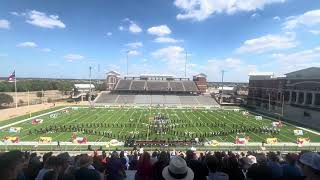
[(190, 86), (188, 100), (165, 99), (176, 86), (106, 98), (157, 85), (138, 85), (123, 84), (125, 99)]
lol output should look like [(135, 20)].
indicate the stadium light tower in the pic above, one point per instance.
[(90, 68), (222, 76), (127, 53), (185, 65)]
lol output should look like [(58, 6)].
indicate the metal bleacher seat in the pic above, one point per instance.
[(157, 99), (157, 85), (125, 99), (206, 100), (176, 86), (137, 85), (107, 98), (142, 99), (190, 86), (172, 99), (123, 84), (188, 100)]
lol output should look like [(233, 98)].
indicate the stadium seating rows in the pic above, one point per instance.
[(106, 98), (141, 85)]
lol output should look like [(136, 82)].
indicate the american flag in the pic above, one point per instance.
[(12, 76)]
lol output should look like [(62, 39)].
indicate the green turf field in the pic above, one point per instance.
[(122, 123)]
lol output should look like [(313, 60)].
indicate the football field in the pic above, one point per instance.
[(103, 124)]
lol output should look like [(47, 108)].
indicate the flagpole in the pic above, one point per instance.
[(15, 89)]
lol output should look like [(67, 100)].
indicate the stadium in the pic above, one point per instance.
[(154, 111), (160, 90)]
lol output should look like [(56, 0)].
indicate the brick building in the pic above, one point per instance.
[(295, 96)]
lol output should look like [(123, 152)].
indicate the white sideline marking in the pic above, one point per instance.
[(314, 132), (24, 120)]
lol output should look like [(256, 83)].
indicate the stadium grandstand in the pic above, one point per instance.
[(148, 89)]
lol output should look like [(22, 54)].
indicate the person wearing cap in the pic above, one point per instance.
[(177, 170), (310, 165), (86, 170)]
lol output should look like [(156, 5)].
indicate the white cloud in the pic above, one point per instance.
[(133, 52), (299, 57), (173, 55), (277, 18), (134, 45), (73, 57), (134, 28), (236, 69), (166, 40), (309, 18), (43, 20), (161, 30), (27, 45), (255, 15), (315, 32), (109, 34), (4, 24), (200, 10), (45, 50), (268, 43)]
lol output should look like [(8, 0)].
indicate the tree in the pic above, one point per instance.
[(5, 99), (39, 94)]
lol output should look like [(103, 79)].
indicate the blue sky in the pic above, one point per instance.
[(61, 39)]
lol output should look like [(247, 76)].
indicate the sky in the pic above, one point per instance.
[(62, 39)]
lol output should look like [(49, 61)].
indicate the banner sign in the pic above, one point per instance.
[(15, 129), (45, 140), (272, 140), (298, 132)]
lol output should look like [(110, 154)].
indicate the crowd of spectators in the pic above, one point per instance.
[(160, 165)]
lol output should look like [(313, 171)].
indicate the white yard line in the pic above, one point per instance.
[(24, 120), (212, 121), (280, 134), (193, 124), (135, 129)]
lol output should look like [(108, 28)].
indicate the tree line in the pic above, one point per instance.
[(39, 85)]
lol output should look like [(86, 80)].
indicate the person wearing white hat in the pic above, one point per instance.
[(310, 165), (177, 170)]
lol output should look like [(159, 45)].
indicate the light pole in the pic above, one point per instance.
[(222, 76), (90, 68), (127, 56)]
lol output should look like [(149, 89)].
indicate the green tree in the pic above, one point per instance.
[(39, 94), (5, 99)]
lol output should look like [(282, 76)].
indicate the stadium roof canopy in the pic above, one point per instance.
[(261, 74), (157, 75)]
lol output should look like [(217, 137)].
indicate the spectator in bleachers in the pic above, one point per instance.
[(51, 164), (115, 169), (11, 165), (310, 165), (86, 170), (290, 168), (162, 162), (199, 169), (144, 167), (259, 170), (178, 170), (274, 165), (214, 168)]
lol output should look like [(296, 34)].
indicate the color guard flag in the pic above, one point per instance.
[(12, 76)]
